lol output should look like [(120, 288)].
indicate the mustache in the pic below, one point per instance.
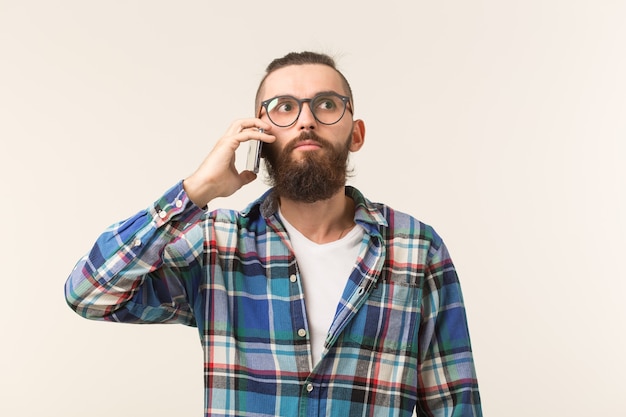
[(308, 135)]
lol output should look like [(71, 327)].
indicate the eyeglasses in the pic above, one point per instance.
[(327, 108)]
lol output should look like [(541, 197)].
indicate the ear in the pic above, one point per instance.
[(358, 135)]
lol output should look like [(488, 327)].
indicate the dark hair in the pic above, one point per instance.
[(303, 58)]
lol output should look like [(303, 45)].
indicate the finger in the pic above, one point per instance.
[(241, 125), (254, 134)]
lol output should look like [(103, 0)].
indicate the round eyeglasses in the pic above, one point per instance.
[(327, 108)]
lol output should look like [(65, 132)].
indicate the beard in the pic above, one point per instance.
[(316, 176)]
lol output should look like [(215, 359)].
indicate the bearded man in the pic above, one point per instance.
[(313, 301)]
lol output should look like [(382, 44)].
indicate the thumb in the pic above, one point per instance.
[(247, 177)]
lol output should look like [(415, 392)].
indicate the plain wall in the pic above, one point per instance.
[(500, 123)]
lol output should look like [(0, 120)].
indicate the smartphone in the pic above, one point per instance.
[(254, 155)]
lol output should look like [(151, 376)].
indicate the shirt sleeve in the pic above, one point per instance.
[(144, 269), (447, 378)]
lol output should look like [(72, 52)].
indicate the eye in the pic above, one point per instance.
[(285, 107), (327, 103), (282, 105)]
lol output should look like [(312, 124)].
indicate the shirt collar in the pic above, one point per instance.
[(366, 213)]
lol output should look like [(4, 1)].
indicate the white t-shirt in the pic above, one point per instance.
[(324, 270)]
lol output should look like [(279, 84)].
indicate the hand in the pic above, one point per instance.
[(217, 176)]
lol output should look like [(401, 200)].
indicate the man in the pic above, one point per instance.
[(312, 301)]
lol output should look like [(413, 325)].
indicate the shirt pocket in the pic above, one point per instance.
[(387, 320)]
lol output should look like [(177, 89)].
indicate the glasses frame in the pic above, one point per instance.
[(345, 99)]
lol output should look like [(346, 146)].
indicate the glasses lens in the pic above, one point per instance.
[(328, 108), (283, 111)]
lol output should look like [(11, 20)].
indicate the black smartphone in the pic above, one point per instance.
[(254, 155)]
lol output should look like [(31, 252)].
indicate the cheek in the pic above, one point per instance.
[(272, 150), (279, 144), (283, 135)]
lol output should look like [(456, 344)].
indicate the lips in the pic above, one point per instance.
[(307, 144)]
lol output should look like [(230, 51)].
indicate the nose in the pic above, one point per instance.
[(306, 120)]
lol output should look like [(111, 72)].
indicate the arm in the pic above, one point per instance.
[(141, 269), (447, 378), (145, 268)]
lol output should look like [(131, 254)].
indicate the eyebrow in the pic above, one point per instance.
[(316, 94)]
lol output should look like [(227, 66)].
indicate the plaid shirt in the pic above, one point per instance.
[(399, 340)]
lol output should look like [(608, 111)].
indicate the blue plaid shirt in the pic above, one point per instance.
[(399, 340)]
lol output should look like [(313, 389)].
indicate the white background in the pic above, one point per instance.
[(501, 123)]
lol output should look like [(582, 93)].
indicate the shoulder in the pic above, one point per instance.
[(394, 225), (401, 224), (251, 217)]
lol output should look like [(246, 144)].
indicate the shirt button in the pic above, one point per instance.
[(162, 214), (179, 203), (137, 242), (301, 332), (309, 387), (293, 278)]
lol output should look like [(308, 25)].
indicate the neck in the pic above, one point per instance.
[(322, 221)]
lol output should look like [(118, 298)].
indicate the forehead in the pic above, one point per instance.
[(302, 81)]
